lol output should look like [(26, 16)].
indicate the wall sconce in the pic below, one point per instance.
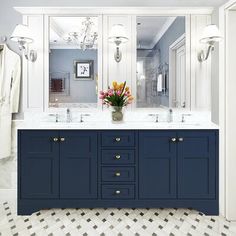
[(118, 36), (210, 36), (22, 36)]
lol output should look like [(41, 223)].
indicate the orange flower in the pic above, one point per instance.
[(114, 83), (121, 86), (131, 98), (127, 89)]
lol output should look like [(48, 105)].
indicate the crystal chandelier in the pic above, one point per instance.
[(86, 39)]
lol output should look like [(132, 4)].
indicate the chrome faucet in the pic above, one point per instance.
[(82, 116), (170, 116), (183, 117), (157, 117), (68, 115)]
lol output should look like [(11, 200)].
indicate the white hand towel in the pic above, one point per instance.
[(159, 83)]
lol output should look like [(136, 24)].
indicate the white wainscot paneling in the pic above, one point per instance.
[(200, 72), (33, 79)]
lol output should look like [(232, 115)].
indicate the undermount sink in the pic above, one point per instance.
[(168, 124)]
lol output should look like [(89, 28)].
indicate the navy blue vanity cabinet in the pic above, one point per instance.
[(179, 169), (157, 164), (38, 164), (197, 165), (118, 168), (78, 164)]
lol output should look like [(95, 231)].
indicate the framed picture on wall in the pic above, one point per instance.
[(83, 70)]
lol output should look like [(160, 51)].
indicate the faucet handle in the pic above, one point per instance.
[(82, 115), (56, 116), (155, 115), (183, 117)]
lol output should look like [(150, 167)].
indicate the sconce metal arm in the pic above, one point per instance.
[(31, 55), (118, 54), (202, 56)]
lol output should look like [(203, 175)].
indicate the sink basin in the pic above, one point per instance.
[(175, 124)]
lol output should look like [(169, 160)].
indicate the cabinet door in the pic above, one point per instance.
[(38, 164), (197, 164), (78, 164), (157, 164)]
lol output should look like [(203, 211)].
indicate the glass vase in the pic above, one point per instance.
[(117, 114)]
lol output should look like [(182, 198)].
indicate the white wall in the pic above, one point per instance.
[(230, 116), (215, 74)]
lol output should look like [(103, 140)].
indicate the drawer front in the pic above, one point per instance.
[(118, 157), (118, 174), (117, 191), (118, 138)]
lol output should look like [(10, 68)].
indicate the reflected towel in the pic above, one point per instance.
[(159, 83)]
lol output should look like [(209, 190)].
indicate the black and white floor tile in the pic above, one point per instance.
[(109, 222)]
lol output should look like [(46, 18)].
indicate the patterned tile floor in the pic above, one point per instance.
[(109, 222)]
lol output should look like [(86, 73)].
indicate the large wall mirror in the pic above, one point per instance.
[(73, 63), (161, 62)]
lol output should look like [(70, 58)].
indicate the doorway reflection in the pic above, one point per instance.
[(156, 86)]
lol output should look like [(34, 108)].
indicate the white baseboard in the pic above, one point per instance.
[(6, 194)]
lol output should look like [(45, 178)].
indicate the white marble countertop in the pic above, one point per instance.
[(108, 125), (133, 120)]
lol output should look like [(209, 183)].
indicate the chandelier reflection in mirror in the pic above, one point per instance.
[(79, 32)]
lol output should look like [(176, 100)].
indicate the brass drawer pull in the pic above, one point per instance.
[(55, 139), (117, 174), (62, 139), (118, 139), (117, 192), (118, 157)]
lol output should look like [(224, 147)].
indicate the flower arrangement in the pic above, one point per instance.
[(117, 96)]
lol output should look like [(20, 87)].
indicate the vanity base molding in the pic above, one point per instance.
[(118, 168), (27, 207)]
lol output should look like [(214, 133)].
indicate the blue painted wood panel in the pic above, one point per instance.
[(118, 156), (157, 164), (197, 165), (118, 191), (118, 174), (39, 164), (78, 164), (118, 138)]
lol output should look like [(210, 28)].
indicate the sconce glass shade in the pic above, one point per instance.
[(211, 34), (21, 33), (118, 34)]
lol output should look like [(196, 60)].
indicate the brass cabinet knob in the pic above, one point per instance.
[(181, 139), (118, 157), (62, 139), (118, 139), (55, 139), (117, 174), (117, 192), (173, 140)]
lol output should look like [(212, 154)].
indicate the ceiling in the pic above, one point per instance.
[(150, 29), (114, 3)]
